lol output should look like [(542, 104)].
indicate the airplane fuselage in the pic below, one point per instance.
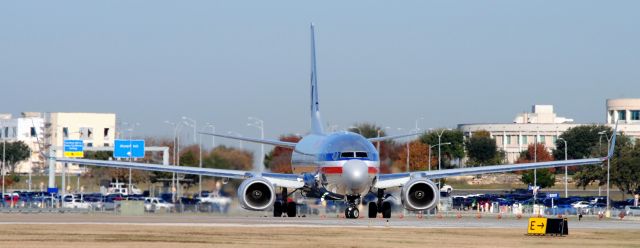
[(345, 163)]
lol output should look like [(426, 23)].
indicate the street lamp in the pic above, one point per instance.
[(431, 147), (566, 175), (608, 172), (213, 138), (176, 157), (258, 123), (194, 124), (130, 130), (439, 145)]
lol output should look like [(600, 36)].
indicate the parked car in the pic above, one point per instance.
[(153, 204), (580, 204), (446, 188), (216, 202), (635, 211), (71, 201)]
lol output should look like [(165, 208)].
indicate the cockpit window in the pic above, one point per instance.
[(347, 155), (353, 154)]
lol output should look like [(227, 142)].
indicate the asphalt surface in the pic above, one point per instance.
[(254, 221)]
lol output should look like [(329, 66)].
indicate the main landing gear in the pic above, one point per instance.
[(352, 211), (380, 206), (282, 206)]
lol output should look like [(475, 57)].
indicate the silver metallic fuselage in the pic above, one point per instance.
[(322, 155)]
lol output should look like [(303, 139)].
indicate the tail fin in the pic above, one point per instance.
[(316, 123)]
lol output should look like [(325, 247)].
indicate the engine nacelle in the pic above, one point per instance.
[(256, 194), (420, 194)]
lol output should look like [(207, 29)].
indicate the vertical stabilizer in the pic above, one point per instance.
[(316, 123)]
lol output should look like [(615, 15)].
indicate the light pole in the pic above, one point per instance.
[(566, 174), (239, 135), (431, 147), (258, 123), (439, 146), (213, 138), (608, 213), (130, 130), (4, 148), (193, 123), (176, 161)]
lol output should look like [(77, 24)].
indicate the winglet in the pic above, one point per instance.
[(613, 142)]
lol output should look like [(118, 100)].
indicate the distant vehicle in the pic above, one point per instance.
[(580, 204), (635, 211), (446, 188), (70, 201), (153, 204), (121, 188), (216, 201)]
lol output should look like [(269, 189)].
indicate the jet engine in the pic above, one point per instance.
[(256, 194), (420, 194)]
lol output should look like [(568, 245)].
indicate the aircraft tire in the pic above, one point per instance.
[(373, 210), (291, 209), (277, 209), (386, 210)]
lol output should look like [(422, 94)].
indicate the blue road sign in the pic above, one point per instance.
[(73, 148), (128, 149), (553, 195)]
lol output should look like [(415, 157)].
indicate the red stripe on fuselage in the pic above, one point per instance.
[(338, 170)]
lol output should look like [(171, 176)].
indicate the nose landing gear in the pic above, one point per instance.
[(352, 211)]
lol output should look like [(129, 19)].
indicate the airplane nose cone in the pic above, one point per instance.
[(355, 174)]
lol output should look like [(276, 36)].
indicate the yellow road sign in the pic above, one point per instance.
[(74, 154), (537, 226)]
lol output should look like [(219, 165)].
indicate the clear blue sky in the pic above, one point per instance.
[(379, 61)]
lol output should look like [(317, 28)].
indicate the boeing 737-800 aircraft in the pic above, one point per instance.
[(335, 166)]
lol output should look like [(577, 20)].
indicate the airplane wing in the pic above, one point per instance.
[(277, 179), (399, 179), (261, 141), (391, 137)]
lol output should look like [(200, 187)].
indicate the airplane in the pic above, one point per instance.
[(341, 166)]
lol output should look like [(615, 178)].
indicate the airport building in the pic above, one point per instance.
[(40, 131), (543, 124)]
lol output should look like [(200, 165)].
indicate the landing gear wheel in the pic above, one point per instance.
[(277, 209), (291, 209), (351, 213), (386, 210), (373, 209)]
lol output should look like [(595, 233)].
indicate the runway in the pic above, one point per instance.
[(328, 222), (190, 230)]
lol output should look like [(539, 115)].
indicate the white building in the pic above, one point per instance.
[(94, 129), (40, 131), (28, 129), (545, 126)]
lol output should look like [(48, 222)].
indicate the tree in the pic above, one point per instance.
[(16, 152), (417, 157), (481, 150), (279, 159), (545, 177), (449, 152), (625, 170), (588, 174), (112, 173), (582, 142)]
